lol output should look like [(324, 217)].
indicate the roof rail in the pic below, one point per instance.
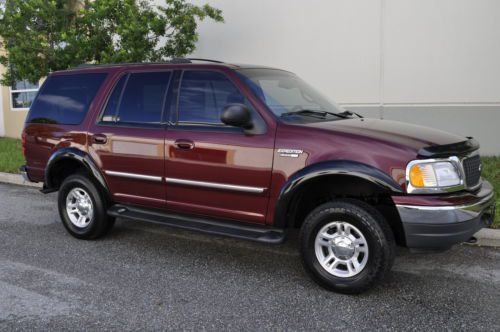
[(172, 61), (179, 60), (207, 60)]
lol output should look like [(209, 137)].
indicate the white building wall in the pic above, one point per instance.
[(2, 125), (431, 62), (442, 51)]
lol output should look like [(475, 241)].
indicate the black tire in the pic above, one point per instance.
[(100, 223), (377, 234)]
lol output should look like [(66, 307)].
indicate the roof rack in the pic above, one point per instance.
[(178, 60), (172, 61), (206, 60)]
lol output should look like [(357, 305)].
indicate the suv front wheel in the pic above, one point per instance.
[(82, 207), (346, 246)]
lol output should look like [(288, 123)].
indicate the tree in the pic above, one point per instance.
[(41, 36)]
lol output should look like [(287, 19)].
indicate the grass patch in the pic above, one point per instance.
[(11, 158), (11, 155), (491, 172)]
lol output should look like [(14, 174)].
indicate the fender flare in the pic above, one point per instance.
[(74, 154), (328, 168)]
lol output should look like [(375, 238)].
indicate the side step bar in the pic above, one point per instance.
[(245, 231)]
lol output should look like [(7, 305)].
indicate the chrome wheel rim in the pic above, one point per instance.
[(79, 207), (341, 249)]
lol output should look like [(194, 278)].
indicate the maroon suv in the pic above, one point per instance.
[(251, 152)]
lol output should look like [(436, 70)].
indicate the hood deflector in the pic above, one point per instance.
[(455, 149)]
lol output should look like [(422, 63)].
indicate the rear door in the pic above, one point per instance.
[(128, 138), (58, 117), (213, 169)]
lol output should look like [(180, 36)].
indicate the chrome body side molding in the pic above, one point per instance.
[(134, 176), (215, 185)]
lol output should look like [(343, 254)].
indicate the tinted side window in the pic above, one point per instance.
[(203, 96), (111, 110), (143, 98), (65, 99)]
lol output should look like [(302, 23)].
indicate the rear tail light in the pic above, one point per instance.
[(23, 142)]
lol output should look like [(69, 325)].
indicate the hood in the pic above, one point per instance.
[(411, 136)]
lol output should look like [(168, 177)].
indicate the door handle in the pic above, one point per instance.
[(184, 144), (99, 139)]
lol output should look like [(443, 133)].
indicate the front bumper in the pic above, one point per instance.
[(440, 227)]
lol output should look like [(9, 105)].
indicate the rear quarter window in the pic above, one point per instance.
[(65, 99)]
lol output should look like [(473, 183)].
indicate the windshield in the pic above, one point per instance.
[(287, 94)]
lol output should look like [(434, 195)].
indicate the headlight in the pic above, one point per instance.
[(434, 176)]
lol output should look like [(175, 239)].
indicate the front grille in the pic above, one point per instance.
[(472, 169)]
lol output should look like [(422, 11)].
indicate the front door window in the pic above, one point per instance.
[(203, 97)]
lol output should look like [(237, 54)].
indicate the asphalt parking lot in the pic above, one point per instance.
[(149, 277)]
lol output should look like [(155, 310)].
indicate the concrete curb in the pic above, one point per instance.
[(486, 237), (17, 179)]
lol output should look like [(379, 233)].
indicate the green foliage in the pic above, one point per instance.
[(41, 36), (11, 155), (491, 172)]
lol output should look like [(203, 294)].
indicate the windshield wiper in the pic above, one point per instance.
[(314, 113)]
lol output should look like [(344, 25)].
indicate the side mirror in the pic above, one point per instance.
[(237, 115)]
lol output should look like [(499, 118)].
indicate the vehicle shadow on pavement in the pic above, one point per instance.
[(284, 260)]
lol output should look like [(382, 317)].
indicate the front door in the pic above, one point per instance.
[(212, 169), (128, 139)]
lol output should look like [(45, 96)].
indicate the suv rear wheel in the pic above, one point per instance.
[(82, 208), (346, 246)]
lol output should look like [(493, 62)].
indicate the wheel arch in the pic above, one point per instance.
[(75, 158), (324, 181)]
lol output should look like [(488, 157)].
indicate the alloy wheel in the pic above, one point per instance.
[(79, 207), (341, 249)]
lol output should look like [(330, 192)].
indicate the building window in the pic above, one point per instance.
[(22, 94)]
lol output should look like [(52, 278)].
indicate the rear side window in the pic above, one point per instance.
[(111, 110), (65, 99), (138, 99)]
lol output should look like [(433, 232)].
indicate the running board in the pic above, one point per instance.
[(241, 230)]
